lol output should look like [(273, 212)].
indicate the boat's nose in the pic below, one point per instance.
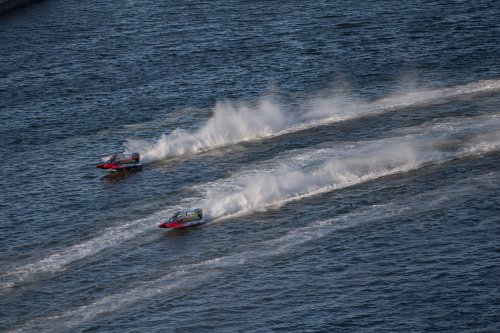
[(163, 225)]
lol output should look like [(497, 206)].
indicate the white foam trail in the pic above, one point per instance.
[(185, 277), (425, 96), (188, 277), (58, 261), (232, 124)]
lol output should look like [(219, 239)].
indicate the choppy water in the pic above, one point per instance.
[(346, 154)]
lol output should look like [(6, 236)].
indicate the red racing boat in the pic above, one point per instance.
[(184, 219), (122, 162)]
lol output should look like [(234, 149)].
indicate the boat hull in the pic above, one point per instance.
[(122, 162), (181, 225), (119, 167), (183, 219)]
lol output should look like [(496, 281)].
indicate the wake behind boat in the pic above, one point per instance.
[(184, 219), (121, 162)]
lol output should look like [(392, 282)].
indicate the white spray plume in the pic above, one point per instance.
[(230, 124), (259, 191)]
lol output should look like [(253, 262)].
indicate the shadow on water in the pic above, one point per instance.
[(178, 232), (114, 176), (183, 231)]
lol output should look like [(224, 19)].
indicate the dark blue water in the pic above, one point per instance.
[(346, 155)]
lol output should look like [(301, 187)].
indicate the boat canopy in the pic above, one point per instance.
[(121, 158), (186, 215)]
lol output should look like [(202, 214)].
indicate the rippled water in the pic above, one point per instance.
[(346, 155)]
